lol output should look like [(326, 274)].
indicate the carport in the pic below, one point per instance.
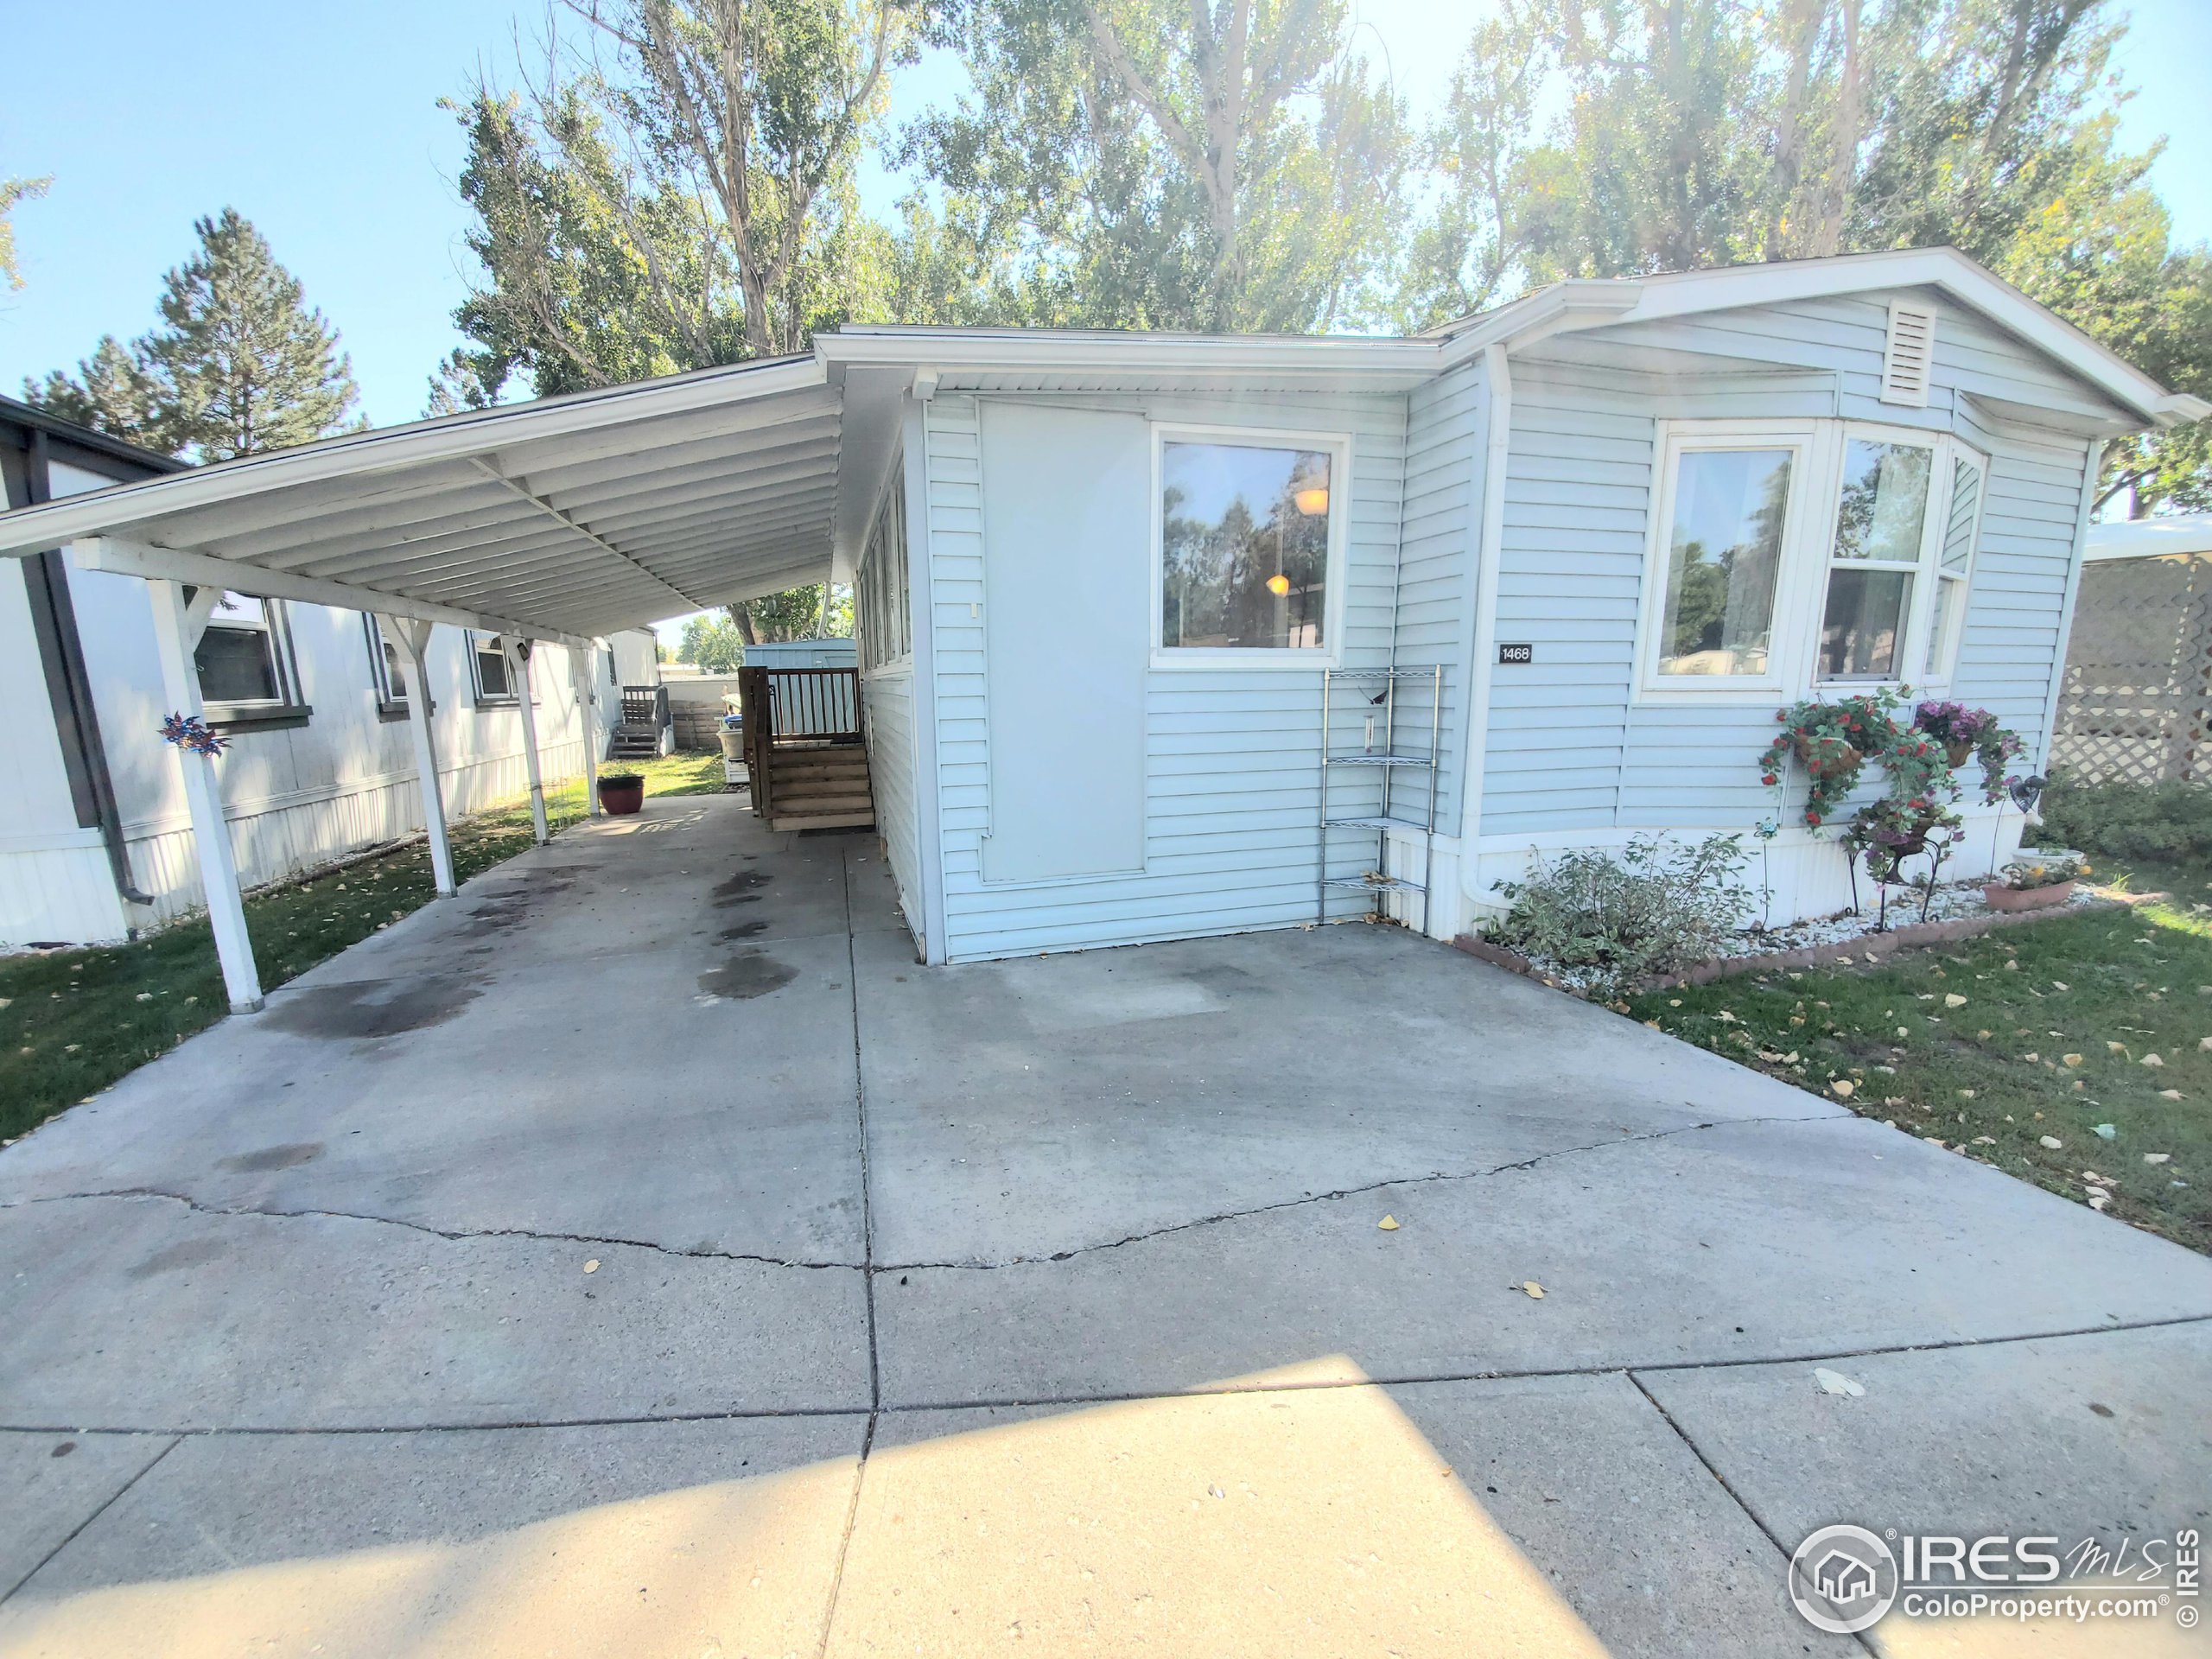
[(559, 521)]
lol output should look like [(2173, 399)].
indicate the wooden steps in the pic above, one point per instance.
[(820, 788)]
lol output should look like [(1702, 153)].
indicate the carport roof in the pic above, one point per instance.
[(575, 515), (561, 519)]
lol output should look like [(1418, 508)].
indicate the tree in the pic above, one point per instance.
[(711, 644), (1706, 133), (1218, 164), (239, 365), (673, 191), (13, 192), (795, 614)]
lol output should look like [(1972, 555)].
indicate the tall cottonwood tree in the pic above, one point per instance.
[(1223, 164), (13, 192), (1706, 132), (674, 189), (240, 363)]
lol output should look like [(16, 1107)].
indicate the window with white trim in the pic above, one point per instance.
[(1786, 557), (245, 663), (1249, 532), (387, 668), (488, 672)]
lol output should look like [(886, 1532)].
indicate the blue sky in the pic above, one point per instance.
[(322, 125)]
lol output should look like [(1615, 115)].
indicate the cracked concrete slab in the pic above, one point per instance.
[(736, 1061), (379, 1219), (132, 1312), (1028, 1108), (641, 1539), (2100, 1436), (1743, 1240), (57, 1483)]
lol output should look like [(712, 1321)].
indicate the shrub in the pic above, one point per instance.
[(2170, 822), (1604, 923)]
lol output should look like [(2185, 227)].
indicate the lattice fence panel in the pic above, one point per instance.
[(2134, 706)]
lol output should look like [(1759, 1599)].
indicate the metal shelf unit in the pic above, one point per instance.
[(1386, 764)]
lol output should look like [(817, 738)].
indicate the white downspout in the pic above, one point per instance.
[(1498, 422)]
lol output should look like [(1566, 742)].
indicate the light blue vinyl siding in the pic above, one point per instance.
[(888, 697), (1231, 756), (1569, 748), (1445, 435)]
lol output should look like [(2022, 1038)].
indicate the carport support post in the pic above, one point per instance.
[(583, 669), (518, 655), (178, 624), (414, 638)]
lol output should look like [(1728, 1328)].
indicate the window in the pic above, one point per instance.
[(244, 660), (488, 670), (1784, 556), (1723, 561), (880, 598), (1247, 534), (387, 668), (1881, 532)]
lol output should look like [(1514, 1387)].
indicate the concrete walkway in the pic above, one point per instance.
[(640, 1255)]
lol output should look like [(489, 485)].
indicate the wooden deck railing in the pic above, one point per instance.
[(788, 706)]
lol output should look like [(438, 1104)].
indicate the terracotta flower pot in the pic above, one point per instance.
[(621, 793), (1958, 753), (2001, 897)]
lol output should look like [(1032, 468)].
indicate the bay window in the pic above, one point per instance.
[(1862, 582)]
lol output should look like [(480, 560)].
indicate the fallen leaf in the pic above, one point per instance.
[(2158, 1157), (2170, 1094), (1985, 1035), (1535, 1291), (2051, 1141), (1953, 1000), (2070, 1059), (2098, 1200), (1387, 1224), (2150, 1059), (2060, 985), (1966, 1094), (1984, 1141), (1836, 1383), (592, 1265), (1843, 1087), (2104, 1131)]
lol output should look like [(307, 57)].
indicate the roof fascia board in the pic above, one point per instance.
[(1940, 268), (1386, 363), (33, 530), (1560, 308), (129, 558)]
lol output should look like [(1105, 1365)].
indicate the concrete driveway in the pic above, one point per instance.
[(640, 1255)]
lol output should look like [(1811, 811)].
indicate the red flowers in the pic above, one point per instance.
[(1769, 780)]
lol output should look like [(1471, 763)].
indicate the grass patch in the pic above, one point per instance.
[(2057, 1019), (71, 1022)]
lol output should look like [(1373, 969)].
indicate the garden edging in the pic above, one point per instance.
[(1853, 953)]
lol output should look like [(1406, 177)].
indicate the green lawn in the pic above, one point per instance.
[(2048, 1029), (74, 1021)]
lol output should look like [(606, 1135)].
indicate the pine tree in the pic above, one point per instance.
[(239, 365), (111, 392), (242, 364)]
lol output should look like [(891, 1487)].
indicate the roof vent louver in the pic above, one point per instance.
[(1907, 355)]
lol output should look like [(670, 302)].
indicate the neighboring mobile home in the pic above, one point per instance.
[(95, 842), (1578, 551)]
